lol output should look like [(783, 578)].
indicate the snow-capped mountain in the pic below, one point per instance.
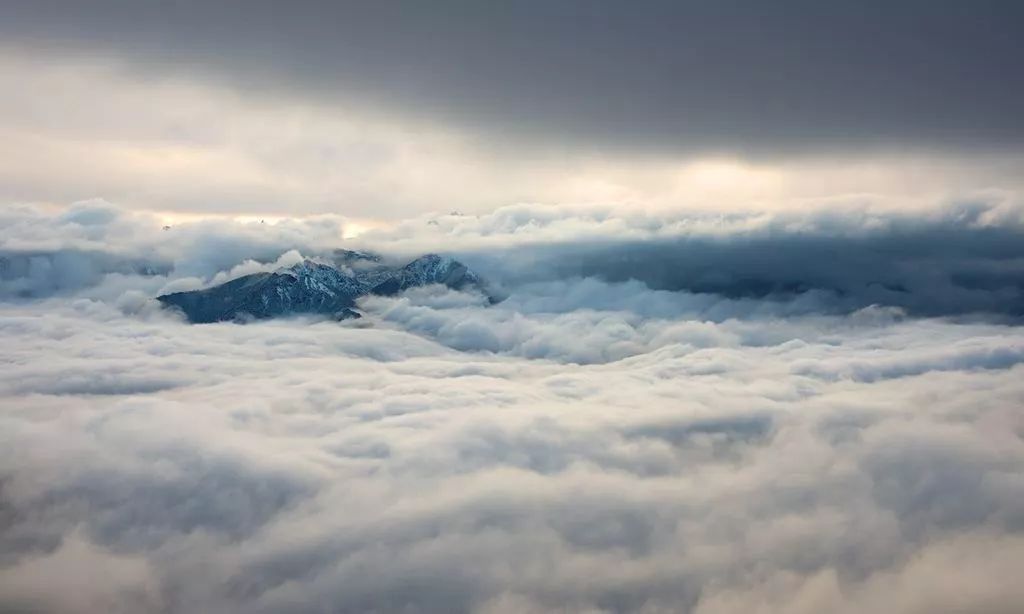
[(315, 288), (425, 270)]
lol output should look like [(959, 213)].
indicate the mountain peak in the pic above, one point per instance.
[(305, 266)]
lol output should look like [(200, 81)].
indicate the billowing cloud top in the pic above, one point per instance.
[(677, 414)]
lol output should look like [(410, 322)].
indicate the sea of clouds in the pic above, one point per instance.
[(786, 412)]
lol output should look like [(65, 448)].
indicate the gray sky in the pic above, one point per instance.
[(517, 100), (664, 75)]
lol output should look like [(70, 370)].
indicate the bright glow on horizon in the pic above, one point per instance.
[(189, 150)]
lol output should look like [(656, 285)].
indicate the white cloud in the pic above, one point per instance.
[(586, 444), (536, 455)]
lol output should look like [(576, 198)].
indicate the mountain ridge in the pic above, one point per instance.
[(311, 287)]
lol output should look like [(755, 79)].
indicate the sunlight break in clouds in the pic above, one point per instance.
[(208, 151)]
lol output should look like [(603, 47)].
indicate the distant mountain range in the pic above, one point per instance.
[(316, 288)]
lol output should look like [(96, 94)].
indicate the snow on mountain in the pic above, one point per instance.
[(312, 287)]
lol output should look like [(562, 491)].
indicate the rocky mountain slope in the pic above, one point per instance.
[(315, 288)]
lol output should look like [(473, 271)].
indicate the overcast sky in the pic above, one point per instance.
[(381, 111)]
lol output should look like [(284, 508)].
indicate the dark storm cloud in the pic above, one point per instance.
[(748, 77), (959, 259), (930, 270)]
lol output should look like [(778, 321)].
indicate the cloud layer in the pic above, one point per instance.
[(590, 444), (390, 111), (959, 259), (677, 76)]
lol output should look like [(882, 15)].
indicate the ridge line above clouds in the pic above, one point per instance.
[(954, 260)]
